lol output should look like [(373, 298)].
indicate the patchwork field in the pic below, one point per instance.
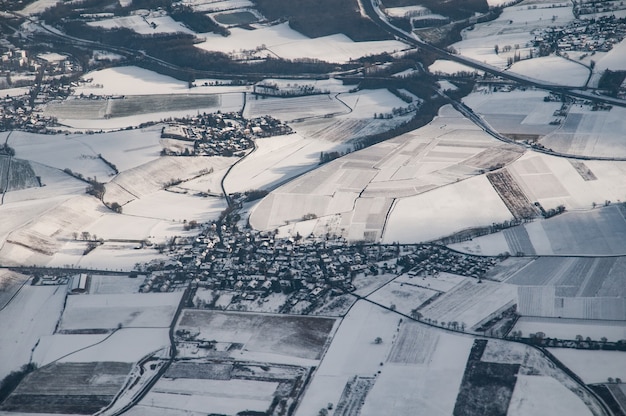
[(297, 336), (361, 187), (598, 232), (79, 388)]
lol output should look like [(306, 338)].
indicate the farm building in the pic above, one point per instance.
[(79, 283)]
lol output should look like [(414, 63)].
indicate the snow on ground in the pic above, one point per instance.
[(366, 103), (406, 11), (515, 112), (544, 396), (113, 284), (276, 160), (569, 328), (444, 211), (352, 352), (128, 227), (36, 241), (14, 92), (593, 366), (32, 314), (615, 59), (132, 80), (61, 152), (170, 205), (590, 133), (282, 41), (423, 389), (217, 5), (54, 347), (118, 256), (362, 185), (219, 396), (296, 108), (153, 310), (94, 118), (147, 25), (517, 25), (125, 149), (561, 71), (125, 345), (38, 7), (154, 176), (441, 66)]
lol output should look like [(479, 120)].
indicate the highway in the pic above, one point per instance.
[(372, 10)]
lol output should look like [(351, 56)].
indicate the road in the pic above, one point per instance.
[(378, 17)]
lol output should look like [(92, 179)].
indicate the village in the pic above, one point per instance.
[(308, 272)]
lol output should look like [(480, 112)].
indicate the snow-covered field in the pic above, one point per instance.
[(544, 396), (106, 312), (590, 133), (144, 25), (31, 315), (276, 160), (593, 366), (282, 41), (444, 211), (516, 25), (133, 80), (561, 71), (362, 186)]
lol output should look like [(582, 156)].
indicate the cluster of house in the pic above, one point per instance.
[(596, 35), (595, 6), (32, 80), (221, 134), (254, 264)]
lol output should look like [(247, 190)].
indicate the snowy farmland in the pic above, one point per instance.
[(106, 312), (282, 41), (597, 232), (363, 185), (515, 26)]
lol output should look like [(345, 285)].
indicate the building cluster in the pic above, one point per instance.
[(587, 7), (221, 134), (252, 265), (596, 35), (41, 78)]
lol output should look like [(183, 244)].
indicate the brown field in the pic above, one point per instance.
[(512, 195), (78, 388)]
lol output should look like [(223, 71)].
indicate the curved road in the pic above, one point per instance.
[(379, 18)]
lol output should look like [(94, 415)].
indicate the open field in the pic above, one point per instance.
[(593, 366), (404, 296), (275, 161), (446, 151), (297, 336), (132, 80), (156, 175), (562, 71), (32, 314), (144, 25), (113, 284), (282, 41), (598, 232), (515, 112), (167, 205), (81, 388), (293, 109), (544, 396), (471, 302), (105, 312), (10, 283), (590, 133), (415, 344)]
